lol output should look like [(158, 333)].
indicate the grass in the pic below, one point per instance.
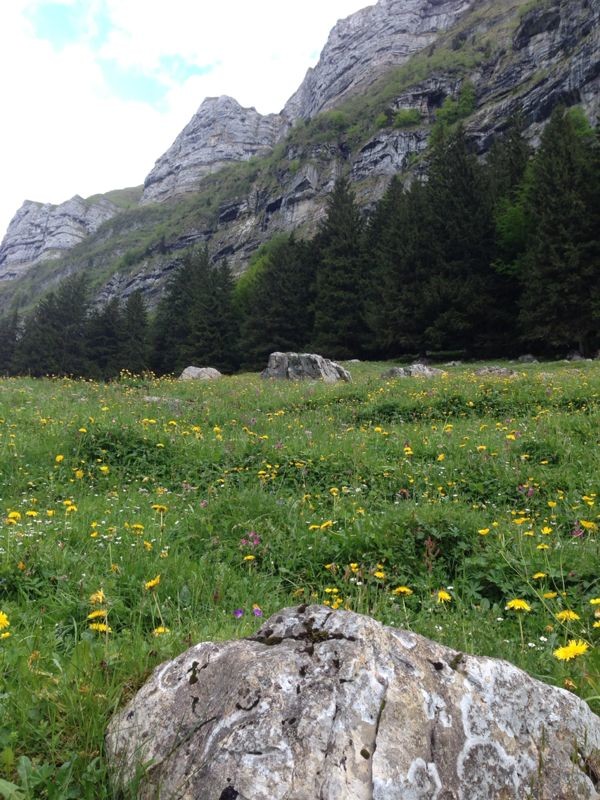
[(248, 495)]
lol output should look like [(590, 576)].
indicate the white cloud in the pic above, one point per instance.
[(65, 132)]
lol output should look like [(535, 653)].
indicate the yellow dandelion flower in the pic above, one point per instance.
[(588, 525), (327, 524), (249, 558), (567, 615), (595, 601), (546, 530), (575, 648), (5, 635), (539, 575), (483, 531), (148, 545), (14, 515), (159, 508), (550, 595), (4, 621), (97, 597), (518, 605), (379, 574), (542, 547), (153, 583), (441, 457), (104, 469), (402, 590), (98, 614), (596, 624), (160, 631), (59, 459), (101, 627), (443, 596)]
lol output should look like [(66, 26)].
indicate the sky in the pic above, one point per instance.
[(94, 91)]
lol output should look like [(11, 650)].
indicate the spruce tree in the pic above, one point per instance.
[(276, 306), (105, 337), (340, 327), (9, 332), (135, 348), (560, 304)]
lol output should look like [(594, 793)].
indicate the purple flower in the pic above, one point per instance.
[(239, 612), (257, 611)]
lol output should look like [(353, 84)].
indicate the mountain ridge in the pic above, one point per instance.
[(518, 57)]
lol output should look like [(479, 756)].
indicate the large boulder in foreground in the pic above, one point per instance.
[(333, 705), (304, 366), (200, 374)]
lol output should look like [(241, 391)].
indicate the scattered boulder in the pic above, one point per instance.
[(575, 355), (304, 366), (334, 705), (200, 374), (527, 359), (500, 372), (417, 370)]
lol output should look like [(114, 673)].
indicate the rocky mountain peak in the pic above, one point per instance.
[(40, 231), (219, 133), (365, 44)]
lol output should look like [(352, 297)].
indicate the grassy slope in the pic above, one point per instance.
[(468, 484)]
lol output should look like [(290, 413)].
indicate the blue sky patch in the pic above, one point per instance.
[(179, 70), (56, 23), (129, 84)]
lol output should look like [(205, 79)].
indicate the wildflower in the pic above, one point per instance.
[(4, 621), (379, 574), (569, 684), (257, 610), (104, 469), (546, 530), (14, 515), (443, 596), (567, 616), (59, 459), (483, 531), (575, 647), (588, 525), (101, 627), (353, 567), (159, 508), (542, 547), (334, 491), (249, 558), (98, 614), (21, 566), (518, 605), (441, 457), (148, 545), (151, 584), (97, 598), (595, 601), (239, 612), (402, 590), (79, 474), (550, 595), (160, 631), (539, 575)]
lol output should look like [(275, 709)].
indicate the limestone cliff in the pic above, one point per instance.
[(219, 133), (366, 44), (39, 232)]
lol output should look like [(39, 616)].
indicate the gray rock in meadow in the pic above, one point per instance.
[(333, 705), (417, 370), (304, 366), (200, 374), (527, 359), (500, 372)]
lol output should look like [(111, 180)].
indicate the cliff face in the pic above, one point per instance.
[(39, 232), (520, 60), (221, 132), (366, 44)]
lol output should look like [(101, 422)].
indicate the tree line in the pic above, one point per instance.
[(482, 258)]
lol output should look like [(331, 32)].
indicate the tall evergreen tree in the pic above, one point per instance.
[(9, 332), (340, 327), (276, 306), (560, 304), (105, 340), (459, 291), (53, 340), (195, 321), (135, 347), (398, 245)]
